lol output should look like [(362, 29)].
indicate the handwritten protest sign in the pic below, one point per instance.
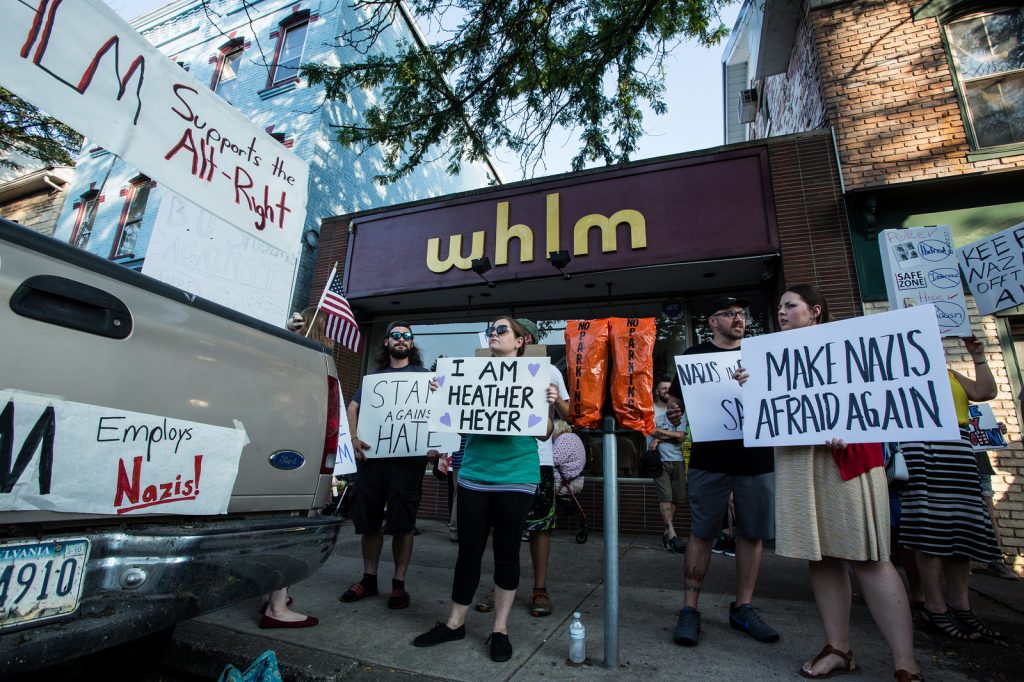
[(393, 416), (984, 430), (77, 60), (920, 267), (74, 457), (345, 461), (498, 396), (713, 405), (200, 253), (869, 379), (994, 268)]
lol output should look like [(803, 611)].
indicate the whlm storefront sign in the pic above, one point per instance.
[(494, 396), (80, 62), (868, 379), (394, 413), (920, 267), (994, 269), (713, 399)]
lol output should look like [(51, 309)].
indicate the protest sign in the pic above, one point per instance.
[(345, 460), (88, 459), (80, 62), (994, 269), (196, 251), (983, 429), (712, 397), (497, 396), (869, 379), (393, 416), (920, 267)]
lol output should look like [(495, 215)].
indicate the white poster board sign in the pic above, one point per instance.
[(80, 62), (345, 461), (920, 267), (496, 396), (983, 429), (868, 379), (73, 457), (714, 408), (994, 269), (196, 251), (393, 416)]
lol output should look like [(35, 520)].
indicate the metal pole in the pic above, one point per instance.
[(611, 547)]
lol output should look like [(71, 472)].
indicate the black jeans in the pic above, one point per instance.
[(479, 512)]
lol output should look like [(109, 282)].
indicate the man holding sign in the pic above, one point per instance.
[(386, 483), (717, 470)]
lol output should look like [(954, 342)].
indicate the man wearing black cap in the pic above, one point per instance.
[(386, 483), (718, 469)]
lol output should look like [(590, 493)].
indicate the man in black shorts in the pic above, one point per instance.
[(386, 483), (718, 469)]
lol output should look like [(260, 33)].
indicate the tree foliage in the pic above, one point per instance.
[(510, 72), (26, 130)]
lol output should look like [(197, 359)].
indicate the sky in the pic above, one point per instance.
[(693, 95)]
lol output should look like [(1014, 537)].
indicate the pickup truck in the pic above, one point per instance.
[(161, 456)]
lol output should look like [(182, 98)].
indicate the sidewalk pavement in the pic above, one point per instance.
[(365, 640)]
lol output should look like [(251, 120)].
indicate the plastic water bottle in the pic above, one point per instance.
[(577, 640)]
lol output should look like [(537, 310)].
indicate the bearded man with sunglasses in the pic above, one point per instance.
[(386, 483)]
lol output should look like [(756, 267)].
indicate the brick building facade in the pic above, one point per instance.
[(925, 99), (249, 55)]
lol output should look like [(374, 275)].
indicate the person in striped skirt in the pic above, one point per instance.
[(945, 519)]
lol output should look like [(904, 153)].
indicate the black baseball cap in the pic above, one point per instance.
[(724, 302), (398, 323)]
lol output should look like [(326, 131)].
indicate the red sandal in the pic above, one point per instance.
[(828, 650)]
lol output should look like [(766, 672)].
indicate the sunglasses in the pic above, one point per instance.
[(731, 314), (398, 336), (499, 330)]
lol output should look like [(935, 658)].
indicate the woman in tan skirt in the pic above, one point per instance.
[(832, 508)]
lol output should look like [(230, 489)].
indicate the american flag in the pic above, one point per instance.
[(340, 324)]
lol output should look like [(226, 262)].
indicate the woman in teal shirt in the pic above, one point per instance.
[(497, 481)]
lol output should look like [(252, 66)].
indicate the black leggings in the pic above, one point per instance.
[(479, 512)]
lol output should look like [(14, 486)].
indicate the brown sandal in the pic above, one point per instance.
[(907, 676), (828, 650)]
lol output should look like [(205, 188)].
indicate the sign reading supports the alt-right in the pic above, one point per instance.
[(869, 379), (712, 397)]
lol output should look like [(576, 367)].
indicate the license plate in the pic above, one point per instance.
[(41, 579)]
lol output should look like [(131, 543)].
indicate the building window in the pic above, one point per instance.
[(987, 51), (226, 77), (290, 43), (131, 218), (87, 208)]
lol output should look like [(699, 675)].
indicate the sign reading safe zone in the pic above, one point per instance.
[(393, 416), (869, 379), (496, 396), (713, 406), (920, 267)]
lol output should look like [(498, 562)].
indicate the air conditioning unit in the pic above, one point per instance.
[(748, 105)]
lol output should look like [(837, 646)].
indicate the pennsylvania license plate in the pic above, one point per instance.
[(41, 579)]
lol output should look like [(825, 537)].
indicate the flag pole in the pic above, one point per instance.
[(309, 326)]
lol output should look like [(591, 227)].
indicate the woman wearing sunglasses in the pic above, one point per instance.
[(497, 481)]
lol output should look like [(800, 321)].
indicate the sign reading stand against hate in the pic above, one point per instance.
[(714, 408), (869, 379), (994, 269), (494, 396), (393, 416), (920, 267)]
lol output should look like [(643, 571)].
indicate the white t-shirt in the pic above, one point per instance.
[(670, 451), (544, 447)]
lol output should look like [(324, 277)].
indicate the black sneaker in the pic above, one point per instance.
[(501, 648), (721, 544), (677, 545), (730, 549), (439, 634), (687, 627), (745, 618)]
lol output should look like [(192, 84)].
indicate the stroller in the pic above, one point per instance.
[(570, 458)]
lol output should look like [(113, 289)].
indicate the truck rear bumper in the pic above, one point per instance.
[(142, 579)]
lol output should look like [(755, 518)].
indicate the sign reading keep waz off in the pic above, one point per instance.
[(496, 396), (393, 416), (869, 379), (80, 62)]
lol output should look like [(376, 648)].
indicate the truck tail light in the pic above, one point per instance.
[(333, 422)]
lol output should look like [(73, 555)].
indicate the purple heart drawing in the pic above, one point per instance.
[(440, 380), (533, 367), (532, 421), (446, 419)]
